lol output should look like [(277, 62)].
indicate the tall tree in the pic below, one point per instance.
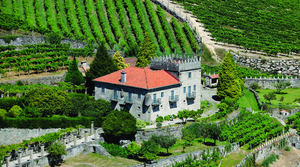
[(103, 64), (119, 61), (146, 52), (74, 75), (229, 85)]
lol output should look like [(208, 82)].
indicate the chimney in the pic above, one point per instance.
[(123, 77)]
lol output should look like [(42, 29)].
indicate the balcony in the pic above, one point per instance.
[(129, 100), (156, 102), (191, 95), (173, 99), (114, 98)]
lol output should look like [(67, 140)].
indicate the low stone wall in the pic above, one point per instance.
[(45, 80), (256, 97), (290, 67), (144, 135), (268, 83), (13, 135), (179, 158), (31, 40)]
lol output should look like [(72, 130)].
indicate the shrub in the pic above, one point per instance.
[(255, 86), (167, 118), (53, 38), (3, 113), (269, 160), (164, 141), (158, 124), (15, 111), (287, 148), (56, 150), (133, 150), (141, 124), (8, 103), (149, 150), (159, 119), (115, 150)]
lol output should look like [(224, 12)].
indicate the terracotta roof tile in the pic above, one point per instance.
[(141, 78), (214, 76)]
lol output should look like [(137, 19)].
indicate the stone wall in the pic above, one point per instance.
[(179, 158), (30, 40), (13, 135), (45, 80), (142, 135), (268, 83), (290, 67)]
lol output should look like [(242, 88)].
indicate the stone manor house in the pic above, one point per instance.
[(169, 85)]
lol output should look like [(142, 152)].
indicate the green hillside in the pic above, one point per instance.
[(271, 26), (120, 24)]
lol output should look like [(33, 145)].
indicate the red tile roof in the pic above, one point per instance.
[(141, 78), (214, 76)]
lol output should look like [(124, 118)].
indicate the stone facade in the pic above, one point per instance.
[(147, 104), (290, 67)]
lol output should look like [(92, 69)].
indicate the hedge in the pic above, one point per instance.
[(8, 103), (52, 122)]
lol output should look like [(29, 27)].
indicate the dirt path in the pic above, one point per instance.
[(288, 158), (206, 35)]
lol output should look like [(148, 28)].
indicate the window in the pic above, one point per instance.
[(154, 98), (115, 94), (189, 90), (129, 96), (184, 89), (195, 88), (162, 94), (103, 90), (139, 96), (172, 94), (190, 74)]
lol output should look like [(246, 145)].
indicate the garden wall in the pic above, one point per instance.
[(31, 40), (290, 67), (268, 83), (179, 158), (142, 135), (45, 80), (13, 135)]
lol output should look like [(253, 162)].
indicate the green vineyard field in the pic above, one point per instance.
[(120, 24), (271, 26)]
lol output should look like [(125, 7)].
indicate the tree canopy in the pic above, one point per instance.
[(74, 75), (229, 85), (119, 61), (146, 52)]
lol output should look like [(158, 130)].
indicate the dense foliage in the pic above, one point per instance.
[(252, 129), (146, 52), (295, 121), (122, 27), (73, 74), (267, 25)]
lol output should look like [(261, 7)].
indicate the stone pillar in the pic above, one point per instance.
[(74, 138), (92, 128), (31, 158), (19, 158), (85, 137), (42, 150)]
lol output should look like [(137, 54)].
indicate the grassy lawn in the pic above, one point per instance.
[(248, 100), (289, 95), (97, 160), (233, 159)]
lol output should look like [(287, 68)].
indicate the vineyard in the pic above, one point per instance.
[(295, 121), (271, 26), (252, 129), (38, 58), (120, 24)]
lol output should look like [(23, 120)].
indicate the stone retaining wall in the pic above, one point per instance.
[(31, 40), (144, 135), (45, 80), (290, 67), (268, 83), (13, 135)]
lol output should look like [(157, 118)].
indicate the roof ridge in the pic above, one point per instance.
[(146, 78)]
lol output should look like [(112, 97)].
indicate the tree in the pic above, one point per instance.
[(3, 113), (119, 125), (146, 52), (119, 61), (15, 111), (254, 86), (133, 150), (184, 115), (164, 141), (149, 150), (48, 101), (103, 64), (270, 96), (280, 86), (73, 74), (56, 150), (229, 85), (187, 137), (214, 132)]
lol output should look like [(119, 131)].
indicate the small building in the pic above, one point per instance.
[(211, 80), (169, 85)]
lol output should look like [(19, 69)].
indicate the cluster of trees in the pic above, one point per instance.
[(295, 121), (249, 24)]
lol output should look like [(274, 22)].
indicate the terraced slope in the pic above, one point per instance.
[(120, 24), (271, 26)]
